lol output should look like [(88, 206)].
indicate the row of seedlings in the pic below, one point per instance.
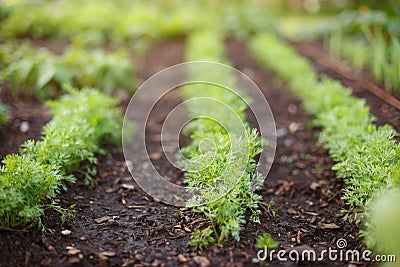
[(367, 156), (220, 163), (81, 122)]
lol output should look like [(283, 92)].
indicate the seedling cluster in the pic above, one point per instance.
[(30, 179), (221, 157), (367, 156)]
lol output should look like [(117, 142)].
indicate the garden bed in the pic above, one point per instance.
[(116, 223)]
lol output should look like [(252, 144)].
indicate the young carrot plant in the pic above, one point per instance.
[(266, 241), (221, 165), (24, 187), (81, 121)]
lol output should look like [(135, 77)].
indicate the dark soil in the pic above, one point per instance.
[(117, 224), (21, 113)]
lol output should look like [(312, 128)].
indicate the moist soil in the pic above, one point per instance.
[(117, 224)]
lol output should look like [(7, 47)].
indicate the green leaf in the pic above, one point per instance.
[(63, 75), (47, 71), (23, 68)]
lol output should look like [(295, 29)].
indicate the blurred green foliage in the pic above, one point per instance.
[(42, 73), (381, 231), (117, 22), (368, 37), (3, 118)]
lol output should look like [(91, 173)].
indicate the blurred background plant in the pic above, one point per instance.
[(3, 118), (41, 73), (363, 33), (368, 38)]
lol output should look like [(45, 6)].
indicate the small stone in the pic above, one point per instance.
[(139, 257), (182, 258), (128, 186), (74, 251), (294, 127), (66, 232), (103, 219), (107, 253), (82, 238), (155, 263), (291, 211), (314, 185), (202, 261), (155, 155), (24, 127)]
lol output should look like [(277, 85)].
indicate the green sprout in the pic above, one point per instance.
[(265, 241)]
